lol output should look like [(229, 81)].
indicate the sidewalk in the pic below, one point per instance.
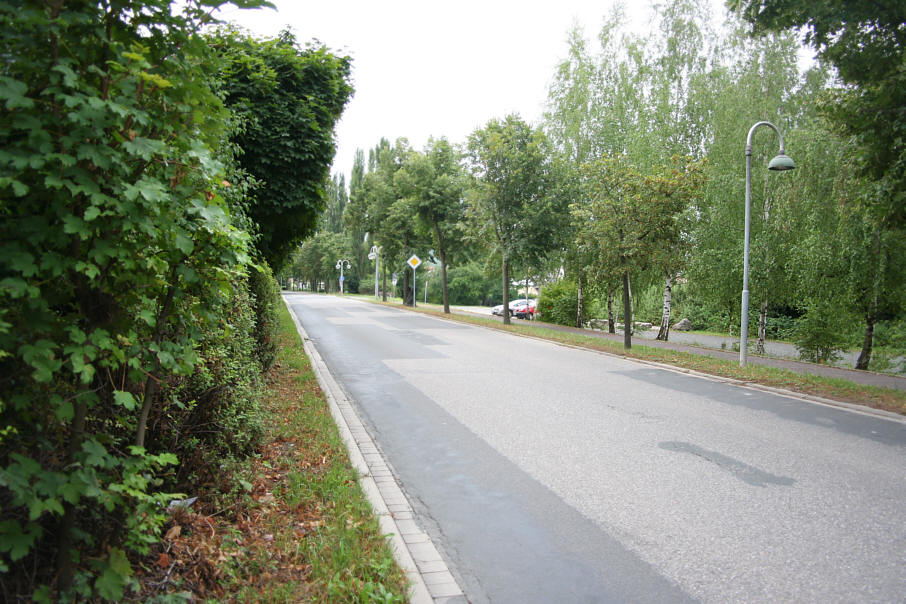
[(868, 378)]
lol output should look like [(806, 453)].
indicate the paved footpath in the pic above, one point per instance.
[(868, 378)]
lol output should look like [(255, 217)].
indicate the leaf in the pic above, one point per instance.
[(22, 262), (15, 540), (174, 532), (40, 356), (184, 243), (146, 315), (146, 148), (96, 454), (124, 399), (115, 575), (73, 225), (91, 213), (15, 287), (13, 92), (65, 411)]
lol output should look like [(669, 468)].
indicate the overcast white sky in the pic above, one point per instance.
[(426, 68)]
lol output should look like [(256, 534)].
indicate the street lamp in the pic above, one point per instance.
[(375, 254), (340, 265), (780, 163)]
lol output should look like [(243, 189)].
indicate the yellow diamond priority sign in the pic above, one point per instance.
[(414, 261)]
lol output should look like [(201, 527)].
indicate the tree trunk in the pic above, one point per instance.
[(763, 315), (611, 327), (871, 314), (384, 282), (664, 332), (865, 355), (443, 281), (506, 292), (578, 302), (762, 327), (65, 564), (627, 312), (407, 288)]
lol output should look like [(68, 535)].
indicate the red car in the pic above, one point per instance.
[(524, 309)]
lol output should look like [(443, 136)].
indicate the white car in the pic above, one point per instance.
[(516, 307)]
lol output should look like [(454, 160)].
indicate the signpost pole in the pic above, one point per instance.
[(414, 261), (375, 254)]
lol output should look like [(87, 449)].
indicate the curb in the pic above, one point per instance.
[(430, 578)]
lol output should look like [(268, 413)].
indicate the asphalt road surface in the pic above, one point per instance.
[(550, 474)]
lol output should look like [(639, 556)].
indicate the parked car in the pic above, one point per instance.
[(521, 309), (524, 309), (498, 310)]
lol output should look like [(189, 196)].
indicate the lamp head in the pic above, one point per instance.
[(781, 162)]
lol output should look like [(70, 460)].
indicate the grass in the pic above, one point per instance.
[(836, 389), (303, 531)]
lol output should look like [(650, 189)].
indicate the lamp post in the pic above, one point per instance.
[(340, 265), (375, 254), (780, 163)]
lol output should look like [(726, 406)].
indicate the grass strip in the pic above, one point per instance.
[(351, 561)]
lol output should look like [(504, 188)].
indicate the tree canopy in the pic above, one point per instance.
[(286, 101), (866, 42)]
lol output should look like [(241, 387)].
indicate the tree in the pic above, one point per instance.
[(630, 216), (354, 218), (337, 198), (764, 72), (865, 41), (432, 182), (845, 262), (287, 101), (384, 213), (509, 207)]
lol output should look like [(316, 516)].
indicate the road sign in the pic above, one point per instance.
[(341, 278), (414, 261)]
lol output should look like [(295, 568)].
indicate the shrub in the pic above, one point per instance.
[(120, 260), (366, 285), (820, 333), (265, 293), (559, 303), (213, 415)]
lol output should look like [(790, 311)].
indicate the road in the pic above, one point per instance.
[(550, 474)]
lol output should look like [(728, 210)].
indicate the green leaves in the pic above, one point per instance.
[(293, 97), (13, 94), (41, 356), (119, 251), (17, 540), (145, 148), (115, 576), (125, 399)]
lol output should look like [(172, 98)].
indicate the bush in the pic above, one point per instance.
[(125, 316), (468, 285), (366, 285), (214, 415), (820, 334), (559, 303), (265, 292)]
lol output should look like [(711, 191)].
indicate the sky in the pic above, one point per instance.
[(437, 68)]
